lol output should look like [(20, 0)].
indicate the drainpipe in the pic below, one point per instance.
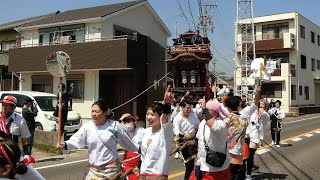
[(297, 55), (94, 90)]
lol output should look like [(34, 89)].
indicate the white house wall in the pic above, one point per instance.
[(81, 106), (310, 50), (138, 19)]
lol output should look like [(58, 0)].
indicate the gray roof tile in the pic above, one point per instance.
[(86, 13)]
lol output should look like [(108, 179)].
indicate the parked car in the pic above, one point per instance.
[(46, 103)]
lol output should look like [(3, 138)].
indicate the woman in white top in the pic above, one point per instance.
[(276, 117), (157, 140), (131, 160), (255, 133), (101, 137), (213, 132)]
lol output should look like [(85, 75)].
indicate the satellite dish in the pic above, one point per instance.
[(58, 64)]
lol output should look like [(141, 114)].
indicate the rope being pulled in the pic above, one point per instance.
[(141, 92)]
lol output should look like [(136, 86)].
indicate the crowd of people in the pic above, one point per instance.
[(210, 138)]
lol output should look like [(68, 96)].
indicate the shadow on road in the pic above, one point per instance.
[(262, 175), (49, 159)]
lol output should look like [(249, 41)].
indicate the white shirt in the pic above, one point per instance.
[(248, 110), (225, 109), (155, 156), (278, 111), (31, 174), (255, 128), (18, 126), (100, 152), (137, 135), (174, 113), (216, 138), (183, 125)]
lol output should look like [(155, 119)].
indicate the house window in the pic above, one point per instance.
[(300, 90), (306, 93), (318, 40), (293, 92), (46, 38), (274, 31), (42, 83), (6, 45), (272, 90), (312, 37), (313, 64), (302, 32), (293, 70), (78, 82), (303, 62), (318, 64), (122, 31)]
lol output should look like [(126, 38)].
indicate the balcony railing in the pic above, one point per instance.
[(70, 41), (264, 36), (272, 41)]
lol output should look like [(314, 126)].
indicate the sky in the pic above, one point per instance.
[(223, 17)]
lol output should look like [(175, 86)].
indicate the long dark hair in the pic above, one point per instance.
[(10, 155)]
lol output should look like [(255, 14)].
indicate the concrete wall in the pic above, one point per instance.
[(310, 50), (45, 137)]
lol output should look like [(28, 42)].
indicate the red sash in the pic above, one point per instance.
[(3, 124), (135, 159)]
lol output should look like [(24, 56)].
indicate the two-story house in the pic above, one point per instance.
[(117, 51), (8, 39), (295, 41)]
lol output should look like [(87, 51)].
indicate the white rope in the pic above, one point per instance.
[(223, 81), (141, 92)]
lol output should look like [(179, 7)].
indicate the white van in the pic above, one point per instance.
[(46, 103)]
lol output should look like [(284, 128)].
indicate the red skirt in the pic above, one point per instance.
[(132, 163), (220, 175)]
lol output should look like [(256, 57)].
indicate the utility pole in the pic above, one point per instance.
[(244, 45), (205, 20)]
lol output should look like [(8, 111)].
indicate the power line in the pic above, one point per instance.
[(183, 14), (195, 27)]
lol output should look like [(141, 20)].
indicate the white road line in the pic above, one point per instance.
[(67, 163), (318, 132), (301, 120), (261, 151), (308, 135), (296, 139)]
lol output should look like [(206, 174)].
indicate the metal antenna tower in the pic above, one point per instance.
[(244, 42)]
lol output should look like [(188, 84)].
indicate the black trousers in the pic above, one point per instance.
[(250, 160), (235, 171), (275, 134), (188, 151), (189, 168)]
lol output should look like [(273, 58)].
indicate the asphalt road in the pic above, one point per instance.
[(298, 158)]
